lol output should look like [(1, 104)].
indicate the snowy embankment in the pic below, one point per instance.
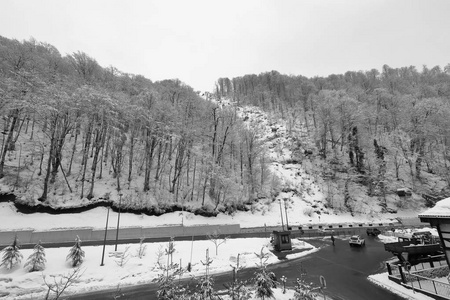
[(19, 284)]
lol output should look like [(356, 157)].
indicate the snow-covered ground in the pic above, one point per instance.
[(17, 283), (20, 284), (304, 196)]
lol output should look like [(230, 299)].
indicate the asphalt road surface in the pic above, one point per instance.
[(345, 269)]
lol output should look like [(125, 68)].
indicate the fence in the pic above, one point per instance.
[(411, 279), (433, 262), (428, 285)]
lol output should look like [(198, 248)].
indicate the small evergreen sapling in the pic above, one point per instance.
[(36, 261), (11, 255), (76, 254), (265, 281)]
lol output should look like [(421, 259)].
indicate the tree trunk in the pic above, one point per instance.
[(149, 152), (87, 144), (130, 160), (193, 179), (50, 157), (7, 143), (98, 142), (74, 148)]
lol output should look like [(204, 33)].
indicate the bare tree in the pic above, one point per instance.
[(57, 287), (217, 239)]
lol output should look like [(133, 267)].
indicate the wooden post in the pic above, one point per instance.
[(402, 275)]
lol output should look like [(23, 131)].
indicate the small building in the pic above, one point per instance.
[(282, 240), (439, 217), (402, 192)]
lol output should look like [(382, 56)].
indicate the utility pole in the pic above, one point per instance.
[(285, 209), (281, 213), (104, 240), (118, 221)]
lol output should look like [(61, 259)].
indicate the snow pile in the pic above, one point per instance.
[(22, 285), (390, 237), (441, 209)]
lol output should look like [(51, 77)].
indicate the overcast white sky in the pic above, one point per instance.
[(199, 41)]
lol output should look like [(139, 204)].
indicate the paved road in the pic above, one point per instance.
[(345, 269)]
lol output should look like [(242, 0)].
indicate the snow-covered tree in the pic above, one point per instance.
[(265, 281), (76, 254), (36, 261), (11, 255)]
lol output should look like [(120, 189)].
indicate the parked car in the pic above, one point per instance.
[(373, 231), (357, 240)]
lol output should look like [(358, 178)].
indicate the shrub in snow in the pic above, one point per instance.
[(11, 255), (142, 250), (76, 254), (308, 211), (303, 289), (123, 257), (36, 261)]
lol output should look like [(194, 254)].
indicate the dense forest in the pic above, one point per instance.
[(366, 127), (75, 130)]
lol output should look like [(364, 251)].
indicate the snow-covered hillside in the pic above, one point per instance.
[(312, 190)]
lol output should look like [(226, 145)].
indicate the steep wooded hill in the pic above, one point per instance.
[(368, 135), (74, 133)]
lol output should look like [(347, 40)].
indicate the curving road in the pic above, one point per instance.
[(345, 269)]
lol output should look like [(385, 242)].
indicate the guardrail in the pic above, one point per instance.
[(409, 278), (428, 285)]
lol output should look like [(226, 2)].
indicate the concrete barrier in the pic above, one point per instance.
[(62, 235), (268, 229), (99, 234), (7, 237), (163, 231), (210, 229), (90, 234)]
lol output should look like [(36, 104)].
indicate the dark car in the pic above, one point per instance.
[(373, 231)]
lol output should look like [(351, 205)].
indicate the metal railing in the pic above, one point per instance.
[(433, 262), (429, 285), (411, 279)]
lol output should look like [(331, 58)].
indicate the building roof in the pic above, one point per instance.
[(440, 210)]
